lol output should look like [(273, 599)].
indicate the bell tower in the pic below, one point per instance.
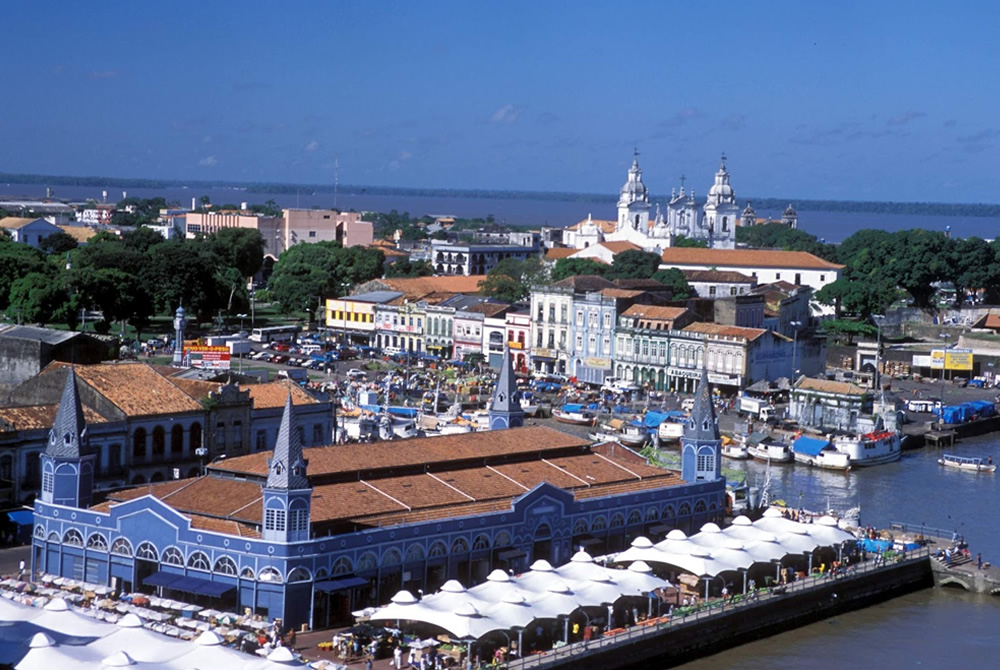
[(701, 444), (68, 461), (287, 493), (505, 410)]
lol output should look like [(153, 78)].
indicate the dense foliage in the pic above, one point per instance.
[(307, 273)]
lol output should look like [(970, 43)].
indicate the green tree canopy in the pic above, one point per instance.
[(307, 272), (676, 281), (35, 297), (682, 241), (503, 287), (634, 264), (16, 261), (404, 267), (57, 243), (570, 267), (238, 248), (776, 235)]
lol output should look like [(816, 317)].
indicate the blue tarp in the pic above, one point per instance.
[(809, 445), (22, 517), (408, 412), (655, 418), (572, 408), (966, 411)]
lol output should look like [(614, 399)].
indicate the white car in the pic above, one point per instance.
[(355, 373)]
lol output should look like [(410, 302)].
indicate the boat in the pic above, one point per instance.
[(575, 414), (770, 451), (633, 435), (967, 463), (670, 431), (819, 453), (529, 403), (875, 448), (735, 450)]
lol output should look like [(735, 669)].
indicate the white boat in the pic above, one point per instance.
[(735, 450), (968, 464), (819, 453), (362, 428), (629, 434), (871, 448), (771, 452), (670, 431), (574, 414), (529, 403)]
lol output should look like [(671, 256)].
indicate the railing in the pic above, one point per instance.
[(921, 529), (685, 617)]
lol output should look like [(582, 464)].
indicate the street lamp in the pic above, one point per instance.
[(201, 452), (795, 348), (877, 320)]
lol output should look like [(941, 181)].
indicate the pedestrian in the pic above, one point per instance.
[(20, 570), (411, 658), (979, 561), (397, 658), (368, 663)]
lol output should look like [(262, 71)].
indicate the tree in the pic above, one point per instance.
[(570, 267), (973, 267), (529, 271), (36, 297), (306, 272), (861, 298), (634, 264), (407, 268), (184, 272), (57, 243), (16, 261), (682, 241), (776, 235), (141, 239), (503, 287), (676, 281), (849, 328)]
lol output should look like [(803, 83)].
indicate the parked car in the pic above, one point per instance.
[(355, 373)]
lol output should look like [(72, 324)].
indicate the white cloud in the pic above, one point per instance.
[(507, 114), (401, 158), (208, 161), (312, 146)]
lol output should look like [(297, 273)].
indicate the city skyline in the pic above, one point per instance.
[(846, 101)]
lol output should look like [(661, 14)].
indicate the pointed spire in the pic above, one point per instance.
[(68, 437), (506, 397), (286, 469), (702, 425)]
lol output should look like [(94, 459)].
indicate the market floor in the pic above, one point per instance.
[(307, 645)]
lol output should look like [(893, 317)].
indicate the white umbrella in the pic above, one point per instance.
[(279, 659), (11, 610), (57, 616), (558, 599), (581, 567), (141, 644), (207, 651), (45, 654), (642, 549)]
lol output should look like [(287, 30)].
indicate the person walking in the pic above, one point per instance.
[(397, 658), (979, 561)]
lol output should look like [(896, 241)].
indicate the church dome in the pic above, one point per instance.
[(789, 211), (721, 190), (634, 189)]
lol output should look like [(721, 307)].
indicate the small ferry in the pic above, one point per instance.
[(529, 403), (819, 453), (771, 452), (966, 463), (670, 431), (875, 448), (735, 450), (574, 414)]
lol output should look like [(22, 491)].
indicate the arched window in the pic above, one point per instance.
[(139, 479), (225, 566), (73, 538), (139, 444), (199, 561), (172, 556), (685, 509), (481, 542), (269, 574), (414, 553), (652, 514), (274, 515), (298, 516), (368, 561), (617, 520), (246, 573), (668, 512), (159, 441), (147, 551), (39, 532), (321, 573), (599, 523), (54, 537), (391, 557), (699, 506), (501, 539), (580, 526), (121, 547), (634, 518), (177, 440), (157, 477), (460, 546), (342, 566), (299, 574), (438, 549), (194, 438)]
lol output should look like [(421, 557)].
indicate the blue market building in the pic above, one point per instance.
[(308, 535)]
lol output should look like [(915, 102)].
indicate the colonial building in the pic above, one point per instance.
[(452, 258), (309, 535), (829, 405), (642, 343), (518, 324), (719, 283), (352, 318)]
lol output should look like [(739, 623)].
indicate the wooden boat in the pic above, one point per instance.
[(771, 452), (575, 414), (871, 448), (735, 450), (529, 403), (819, 453), (966, 463), (670, 431)]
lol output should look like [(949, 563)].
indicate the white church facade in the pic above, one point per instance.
[(714, 223)]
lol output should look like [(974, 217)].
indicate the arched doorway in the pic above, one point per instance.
[(542, 547)]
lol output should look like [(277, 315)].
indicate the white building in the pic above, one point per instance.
[(27, 230)]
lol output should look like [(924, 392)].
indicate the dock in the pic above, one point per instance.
[(940, 438)]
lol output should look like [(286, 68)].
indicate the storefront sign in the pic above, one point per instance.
[(599, 363), (958, 359), (728, 380), (545, 353), (681, 373), (213, 358)]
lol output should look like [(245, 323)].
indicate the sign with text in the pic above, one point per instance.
[(958, 359), (599, 363), (212, 358)]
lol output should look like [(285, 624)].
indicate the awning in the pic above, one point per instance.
[(661, 528), (195, 585), (330, 585), (809, 445), (22, 517), (511, 554), (587, 541)]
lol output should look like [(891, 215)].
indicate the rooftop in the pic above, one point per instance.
[(654, 312), (556, 253), (136, 389), (604, 225), (46, 335), (709, 328), (765, 258), (829, 386), (728, 276), (38, 417), (585, 283)]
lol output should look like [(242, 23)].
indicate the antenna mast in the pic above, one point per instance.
[(336, 178)]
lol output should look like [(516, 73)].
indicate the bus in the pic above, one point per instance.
[(275, 334)]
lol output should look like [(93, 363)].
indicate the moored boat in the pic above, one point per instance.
[(819, 453), (770, 451), (735, 450), (574, 414), (670, 431), (968, 463), (529, 403), (881, 446)]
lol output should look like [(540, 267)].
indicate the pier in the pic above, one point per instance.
[(721, 625)]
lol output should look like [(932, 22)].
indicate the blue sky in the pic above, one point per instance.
[(841, 100)]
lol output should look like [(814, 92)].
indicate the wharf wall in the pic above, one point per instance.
[(915, 433), (708, 632)]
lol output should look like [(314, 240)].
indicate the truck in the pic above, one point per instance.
[(239, 347), (756, 407), (295, 374)]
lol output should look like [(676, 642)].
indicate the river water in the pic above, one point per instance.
[(830, 226), (934, 628)]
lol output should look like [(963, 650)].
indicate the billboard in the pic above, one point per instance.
[(951, 359), (213, 358)]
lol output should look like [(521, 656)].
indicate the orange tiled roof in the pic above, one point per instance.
[(621, 293), (767, 258), (39, 416), (617, 247), (273, 394), (710, 328), (196, 388), (79, 233), (556, 253), (419, 286), (209, 496), (992, 321), (654, 312), (829, 386), (730, 276), (442, 449), (136, 389)]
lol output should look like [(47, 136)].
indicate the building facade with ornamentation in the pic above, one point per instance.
[(309, 535)]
